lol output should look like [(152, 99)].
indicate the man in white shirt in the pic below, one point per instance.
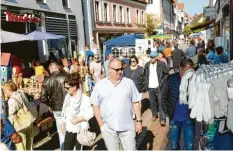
[(156, 74), (114, 99)]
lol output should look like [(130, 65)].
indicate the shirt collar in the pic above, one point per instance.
[(108, 78)]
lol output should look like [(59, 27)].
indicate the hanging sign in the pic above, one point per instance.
[(19, 18)]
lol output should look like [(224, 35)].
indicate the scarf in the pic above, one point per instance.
[(184, 86)]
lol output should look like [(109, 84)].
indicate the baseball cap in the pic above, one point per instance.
[(154, 54)]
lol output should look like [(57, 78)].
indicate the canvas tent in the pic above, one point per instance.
[(121, 41)]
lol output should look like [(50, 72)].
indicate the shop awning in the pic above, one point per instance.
[(205, 24)]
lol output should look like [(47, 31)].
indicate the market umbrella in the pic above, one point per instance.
[(161, 36), (38, 35), (7, 37)]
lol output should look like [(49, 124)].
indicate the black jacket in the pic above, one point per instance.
[(53, 92), (162, 73), (177, 55), (172, 93)]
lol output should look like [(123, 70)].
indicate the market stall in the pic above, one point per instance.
[(210, 100), (121, 46)]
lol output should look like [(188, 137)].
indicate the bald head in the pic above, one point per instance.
[(110, 56), (53, 67), (115, 62)]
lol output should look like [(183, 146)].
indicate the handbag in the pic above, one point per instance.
[(86, 137), (23, 118)]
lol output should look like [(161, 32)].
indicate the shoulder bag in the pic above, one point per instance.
[(85, 137), (23, 118)]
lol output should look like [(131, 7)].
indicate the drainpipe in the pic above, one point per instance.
[(231, 31)]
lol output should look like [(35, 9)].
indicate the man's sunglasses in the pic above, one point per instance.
[(118, 69)]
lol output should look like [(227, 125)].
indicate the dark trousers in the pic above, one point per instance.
[(155, 103), (71, 142), (175, 130)]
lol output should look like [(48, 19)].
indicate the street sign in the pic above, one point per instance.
[(209, 12)]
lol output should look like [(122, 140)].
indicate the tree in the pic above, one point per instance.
[(151, 23), (187, 30)]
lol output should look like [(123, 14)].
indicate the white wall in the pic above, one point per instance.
[(154, 8)]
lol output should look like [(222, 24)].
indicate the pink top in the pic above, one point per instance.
[(96, 69), (163, 60)]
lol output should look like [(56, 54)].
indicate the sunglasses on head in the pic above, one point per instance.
[(118, 69)]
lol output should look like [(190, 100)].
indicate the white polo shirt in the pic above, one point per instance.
[(153, 77)]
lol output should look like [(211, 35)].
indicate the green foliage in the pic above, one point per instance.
[(151, 23), (188, 30)]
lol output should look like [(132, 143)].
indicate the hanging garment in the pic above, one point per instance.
[(184, 86), (230, 109)]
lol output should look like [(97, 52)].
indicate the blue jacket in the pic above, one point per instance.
[(174, 81)]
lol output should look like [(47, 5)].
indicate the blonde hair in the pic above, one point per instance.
[(10, 85)]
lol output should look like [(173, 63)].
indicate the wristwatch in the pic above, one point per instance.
[(139, 121)]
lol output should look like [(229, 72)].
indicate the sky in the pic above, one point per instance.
[(194, 6)]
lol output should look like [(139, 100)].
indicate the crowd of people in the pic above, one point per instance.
[(111, 91)]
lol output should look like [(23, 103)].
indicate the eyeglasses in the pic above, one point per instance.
[(118, 69), (67, 88)]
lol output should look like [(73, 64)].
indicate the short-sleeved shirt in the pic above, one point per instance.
[(8, 131), (116, 102)]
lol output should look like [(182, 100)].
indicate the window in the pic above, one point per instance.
[(150, 1), (106, 12), (128, 16), (121, 14), (114, 13), (142, 17), (65, 3), (138, 16), (97, 10), (40, 1)]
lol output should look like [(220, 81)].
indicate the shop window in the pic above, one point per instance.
[(41, 1), (128, 15), (65, 3)]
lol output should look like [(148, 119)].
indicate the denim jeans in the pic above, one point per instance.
[(156, 104), (113, 138), (58, 117), (175, 129)]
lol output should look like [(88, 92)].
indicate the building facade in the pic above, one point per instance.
[(105, 19), (163, 10), (61, 17)]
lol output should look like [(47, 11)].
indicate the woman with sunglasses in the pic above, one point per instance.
[(76, 112), (135, 73)]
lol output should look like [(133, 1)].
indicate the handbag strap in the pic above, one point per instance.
[(133, 72)]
